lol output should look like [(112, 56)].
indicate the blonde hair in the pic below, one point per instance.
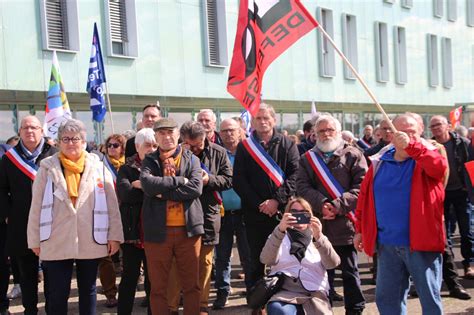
[(306, 206)]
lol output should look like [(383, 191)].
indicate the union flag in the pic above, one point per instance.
[(265, 29), (455, 117)]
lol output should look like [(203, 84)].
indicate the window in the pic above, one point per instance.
[(349, 43), (381, 52), (447, 58), (327, 66), (438, 8), (59, 25), (122, 35), (470, 12), (407, 4), (400, 47), (215, 33), (452, 10), (433, 76), (388, 1)]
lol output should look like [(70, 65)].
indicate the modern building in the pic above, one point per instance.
[(414, 55)]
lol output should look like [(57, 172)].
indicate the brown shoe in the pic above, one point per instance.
[(469, 272)]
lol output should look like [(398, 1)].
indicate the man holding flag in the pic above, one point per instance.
[(329, 178), (57, 106)]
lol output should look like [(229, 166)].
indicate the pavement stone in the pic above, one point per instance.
[(237, 304)]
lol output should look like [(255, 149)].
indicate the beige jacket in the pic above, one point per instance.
[(72, 228)]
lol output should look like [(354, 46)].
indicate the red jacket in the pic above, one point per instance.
[(426, 202)]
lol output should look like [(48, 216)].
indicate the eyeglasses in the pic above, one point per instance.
[(31, 128), (328, 130), (74, 140), (436, 125), (229, 130), (113, 145)]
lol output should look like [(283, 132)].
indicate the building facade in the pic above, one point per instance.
[(414, 55)]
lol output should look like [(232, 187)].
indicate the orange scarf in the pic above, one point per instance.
[(174, 209), (72, 174)]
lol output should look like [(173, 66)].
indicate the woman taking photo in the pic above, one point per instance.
[(130, 192), (298, 249), (74, 218)]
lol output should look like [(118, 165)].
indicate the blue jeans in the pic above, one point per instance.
[(59, 273), (231, 225), (281, 308), (395, 265)]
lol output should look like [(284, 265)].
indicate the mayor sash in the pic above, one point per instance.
[(264, 160), (330, 183), (26, 167)]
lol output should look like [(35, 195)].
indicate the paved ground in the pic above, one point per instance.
[(237, 302)]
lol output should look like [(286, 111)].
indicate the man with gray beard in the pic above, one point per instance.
[(329, 178)]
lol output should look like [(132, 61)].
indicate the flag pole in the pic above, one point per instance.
[(110, 106), (348, 63)]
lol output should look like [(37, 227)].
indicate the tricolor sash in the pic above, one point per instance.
[(330, 183), (111, 168), (26, 167), (362, 144), (264, 160), (216, 194)]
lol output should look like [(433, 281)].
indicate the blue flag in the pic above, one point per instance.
[(96, 79)]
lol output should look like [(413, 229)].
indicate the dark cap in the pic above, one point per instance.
[(165, 123)]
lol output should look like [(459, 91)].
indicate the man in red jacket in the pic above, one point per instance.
[(400, 215)]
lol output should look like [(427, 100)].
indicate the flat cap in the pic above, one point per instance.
[(165, 123)]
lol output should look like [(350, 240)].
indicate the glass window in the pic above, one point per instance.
[(400, 55), (447, 58), (180, 118), (433, 76), (122, 122), (8, 128), (438, 8), (290, 122), (327, 66), (215, 33), (452, 10), (381, 52), (349, 43)]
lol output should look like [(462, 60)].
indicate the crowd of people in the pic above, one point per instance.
[(168, 201)]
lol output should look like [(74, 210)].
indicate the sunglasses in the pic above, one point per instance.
[(113, 145)]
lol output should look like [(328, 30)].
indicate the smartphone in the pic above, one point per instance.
[(302, 217)]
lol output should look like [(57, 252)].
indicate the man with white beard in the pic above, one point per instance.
[(329, 178)]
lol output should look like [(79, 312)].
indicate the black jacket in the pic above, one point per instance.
[(254, 186), (462, 155), (15, 200), (305, 145), (214, 157), (131, 199), (171, 188)]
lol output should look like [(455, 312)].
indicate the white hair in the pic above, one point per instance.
[(145, 135), (348, 134), (329, 119), (208, 111), (74, 126)]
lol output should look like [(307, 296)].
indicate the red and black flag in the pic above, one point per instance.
[(266, 28)]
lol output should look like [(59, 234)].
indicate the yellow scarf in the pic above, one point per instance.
[(117, 163), (72, 174)]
